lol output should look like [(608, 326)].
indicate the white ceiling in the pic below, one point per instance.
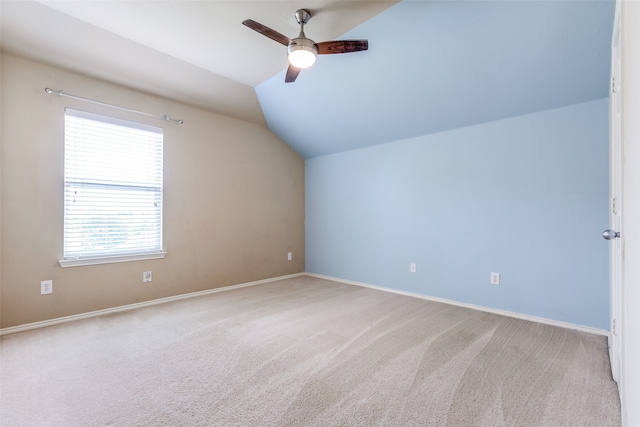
[(196, 52), (208, 34), (432, 65)]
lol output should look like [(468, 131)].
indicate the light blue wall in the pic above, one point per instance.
[(526, 197)]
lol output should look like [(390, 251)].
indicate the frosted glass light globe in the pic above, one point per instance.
[(302, 58), (302, 53)]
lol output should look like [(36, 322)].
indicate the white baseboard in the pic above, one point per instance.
[(560, 324), (59, 320)]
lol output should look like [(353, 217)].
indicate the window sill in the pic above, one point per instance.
[(79, 262)]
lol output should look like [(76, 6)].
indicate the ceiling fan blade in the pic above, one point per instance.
[(342, 46), (292, 74), (266, 31)]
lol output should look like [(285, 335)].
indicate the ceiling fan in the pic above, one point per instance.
[(303, 51)]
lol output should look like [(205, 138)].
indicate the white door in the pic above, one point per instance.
[(616, 240), (629, 374)]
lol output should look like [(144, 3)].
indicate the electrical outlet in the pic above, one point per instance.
[(289, 256), (495, 278), (46, 287), (412, 267), (146, 276)]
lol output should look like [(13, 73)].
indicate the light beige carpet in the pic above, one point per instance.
[(305, 352)]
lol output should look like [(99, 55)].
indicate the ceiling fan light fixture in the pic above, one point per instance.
[(302, 53)]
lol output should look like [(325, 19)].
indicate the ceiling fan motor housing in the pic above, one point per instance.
[(302, 43)]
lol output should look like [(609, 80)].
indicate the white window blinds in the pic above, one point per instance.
[(112, 187)]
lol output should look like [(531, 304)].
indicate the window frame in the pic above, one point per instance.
[(124, 256)]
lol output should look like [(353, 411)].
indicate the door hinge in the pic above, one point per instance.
[(613, 326), (614, 89), (614, 205)]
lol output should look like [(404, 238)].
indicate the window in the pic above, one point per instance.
[(112, 190)]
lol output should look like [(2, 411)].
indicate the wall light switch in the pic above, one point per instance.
[(289, 256), (412, 267)]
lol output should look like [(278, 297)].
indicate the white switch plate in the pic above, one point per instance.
[(495, 278), (146, 276), (46, 287), (289, 256), (412, 267)]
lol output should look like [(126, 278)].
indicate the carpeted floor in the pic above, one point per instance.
[(305, 352)]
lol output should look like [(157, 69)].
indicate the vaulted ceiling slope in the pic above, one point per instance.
[(196, 52), (431, 65)]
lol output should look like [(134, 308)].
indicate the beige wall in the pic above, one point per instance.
[(233, 200)]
